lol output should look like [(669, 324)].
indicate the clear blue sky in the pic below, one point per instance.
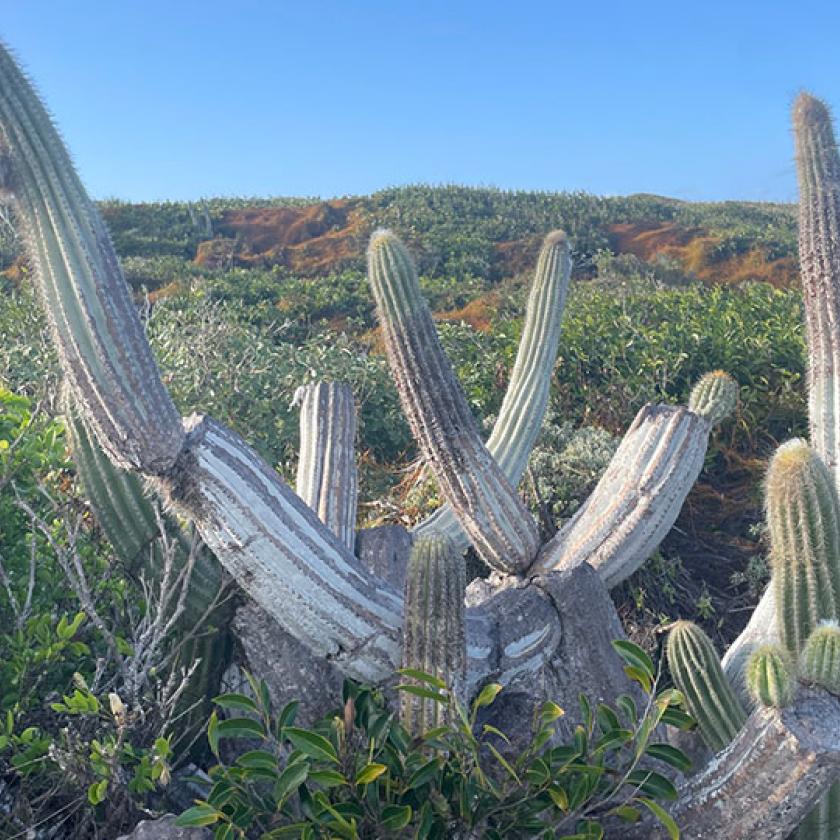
[(186, 98)]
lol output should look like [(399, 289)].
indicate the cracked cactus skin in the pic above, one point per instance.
[(433, 632), (819, 662), (803, 518), (697, 673), (771, 676), (714, 397), (487, 505)]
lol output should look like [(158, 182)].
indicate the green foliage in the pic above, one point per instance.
[(358, 774)]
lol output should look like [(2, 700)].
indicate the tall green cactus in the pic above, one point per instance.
[(104, 353), (486, 504), (697, 673), (523, 408), (433, 632), (803, 518)]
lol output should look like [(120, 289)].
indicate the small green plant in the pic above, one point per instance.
[(359, 774)]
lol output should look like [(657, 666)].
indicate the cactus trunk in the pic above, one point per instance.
[(326, 474), (486, 504)]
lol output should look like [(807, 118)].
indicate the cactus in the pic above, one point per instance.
[(433, 631), (637, 499), (714, 397), (101, 343), (771, 676), (523, 408), (326, 474), (803, 518), (819, 662), (486, 504), (128, 521), (697, 673), (818, 170)]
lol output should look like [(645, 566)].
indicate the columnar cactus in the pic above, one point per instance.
[(714, 397), (818, 169), (803, 518), (486, 504), (697, 673), (819, 662), (771, 676), (433, 632), (326, 473), (523, 408)]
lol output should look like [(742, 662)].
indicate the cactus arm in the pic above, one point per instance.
[(818, 170), (326, 474), (486, 504), (523, 408), (282, 555), (433, 631), (101, 342), (697, 673), (714, 397), (771, 676), (765, 781), (638, 498)]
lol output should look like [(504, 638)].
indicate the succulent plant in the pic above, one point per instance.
[(714, 397), (819, 662), (771, 676)]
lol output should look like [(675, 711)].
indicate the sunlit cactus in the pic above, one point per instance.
[(714, 397), (433, 633), (803, 518), (819, 662), (771, 676), (697, 673)]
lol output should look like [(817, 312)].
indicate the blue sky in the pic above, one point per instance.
[(183, 99)]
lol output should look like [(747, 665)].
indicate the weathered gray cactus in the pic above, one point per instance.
[(433, 631), (697, 673), (771, 676), (486, 504), (326, 474), (305, 577)]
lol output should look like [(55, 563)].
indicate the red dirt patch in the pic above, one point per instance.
[(316, 239), (695, 250)]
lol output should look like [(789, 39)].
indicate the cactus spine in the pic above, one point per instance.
[(771, 677), (819, 663), (526, 398), (433, 632), (803, 517), (486, 504), (697, 673), (103, 349), (326, 474), (714, 397)]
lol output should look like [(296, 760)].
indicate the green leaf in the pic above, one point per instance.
[(213, 733), (486, 696), (653, 784), (549, 712), (635, 657), (310, 743), (422, 676), (501, 759), (239, 702), (370, 773), (420, 691), (97, 792), (202, 814), (290, 779), (288, 715), (627, 813), (327, 778), (424, 774), (670, 755), (396, 817), (639, 676), (663, 816), (240, 728), (258, 758)]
